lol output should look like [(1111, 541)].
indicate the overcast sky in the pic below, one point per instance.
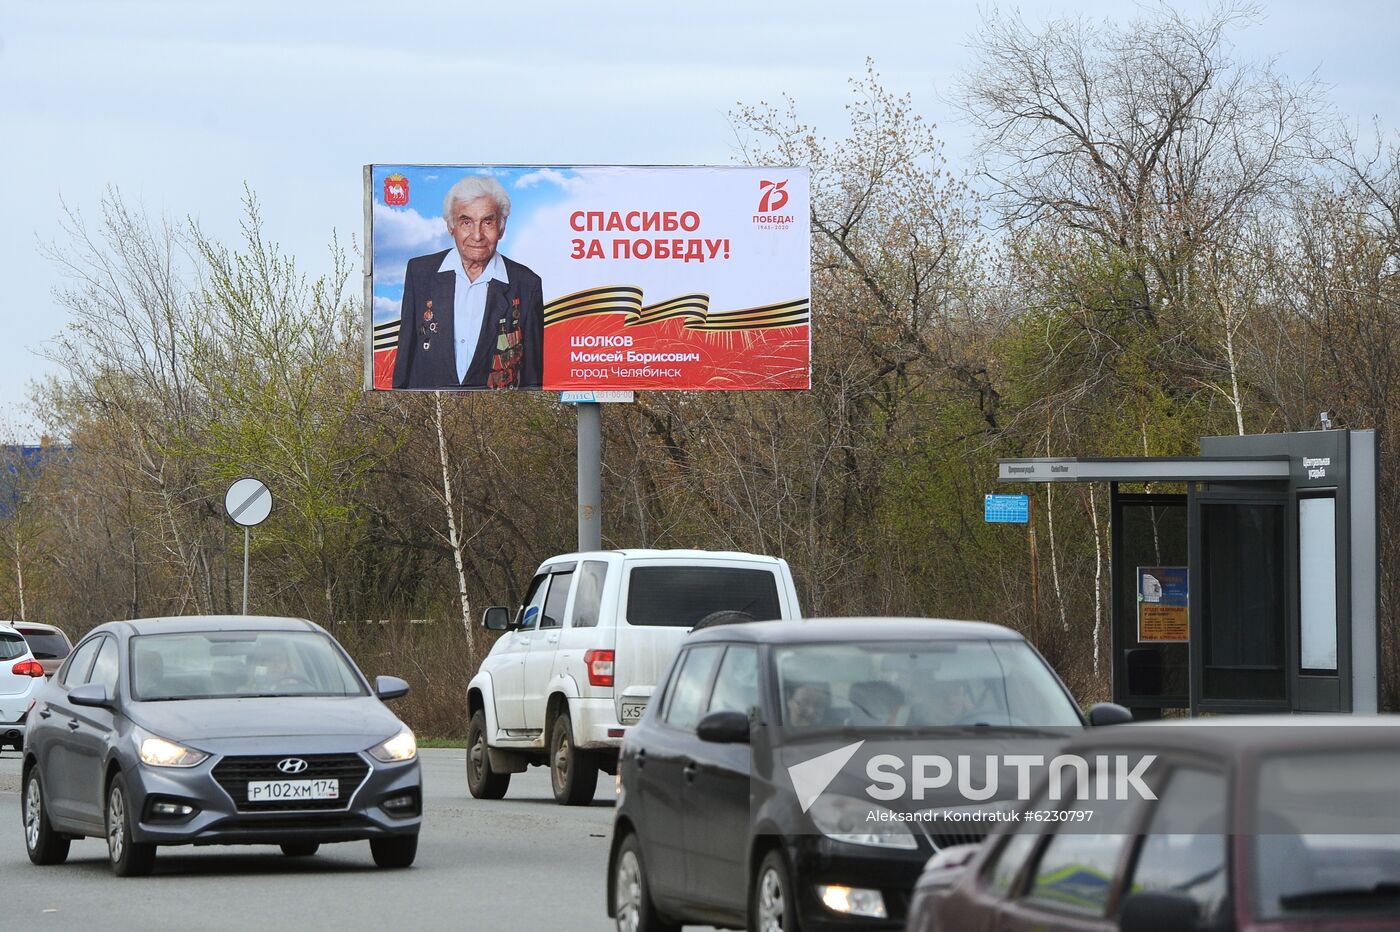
[(179, 103)]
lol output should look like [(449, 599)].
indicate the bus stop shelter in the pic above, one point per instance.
[(1254, 590)]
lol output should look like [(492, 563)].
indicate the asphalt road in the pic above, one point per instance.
[(520, 863)]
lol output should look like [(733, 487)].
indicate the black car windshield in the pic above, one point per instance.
[(239, 664), (929, 683), (1319, 847)]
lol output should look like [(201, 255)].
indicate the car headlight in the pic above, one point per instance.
[(401, 747), (161, 753), (860, 822)]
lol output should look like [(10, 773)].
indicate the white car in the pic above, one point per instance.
[(579, 659), (21, 678)]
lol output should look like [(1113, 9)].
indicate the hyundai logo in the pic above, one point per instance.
[(292, 765)]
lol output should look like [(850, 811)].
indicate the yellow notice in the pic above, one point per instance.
[(1162, 622)]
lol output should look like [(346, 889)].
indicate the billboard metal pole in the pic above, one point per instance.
[(590, 476)]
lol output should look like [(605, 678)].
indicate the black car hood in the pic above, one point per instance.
[(195, 720)]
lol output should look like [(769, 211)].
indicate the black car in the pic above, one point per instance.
[(711, 825), (217, 731)]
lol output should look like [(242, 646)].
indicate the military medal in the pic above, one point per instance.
[(505, 363), (432, 327)]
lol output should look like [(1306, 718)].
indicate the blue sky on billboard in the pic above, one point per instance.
[(178, 105)]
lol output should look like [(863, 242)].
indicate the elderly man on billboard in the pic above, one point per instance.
[(471, 318)]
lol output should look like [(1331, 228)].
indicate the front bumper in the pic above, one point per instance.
[(819, 860), (218, 820)]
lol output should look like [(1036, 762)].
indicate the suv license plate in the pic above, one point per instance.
[(632, 710), (273, 791)]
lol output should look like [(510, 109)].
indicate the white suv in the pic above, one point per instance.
[(579, 659), (21, 677)]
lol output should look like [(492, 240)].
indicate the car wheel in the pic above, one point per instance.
[(394, 852), (128, 857), (773, 907), (632, 905), (45, 846), (572, 773), (301, 849), (483, 782)]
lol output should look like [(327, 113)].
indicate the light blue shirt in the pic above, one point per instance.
[(469, 304)]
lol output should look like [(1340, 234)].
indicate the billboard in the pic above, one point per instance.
[(587, 278)]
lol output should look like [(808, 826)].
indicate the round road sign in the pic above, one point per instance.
[(248, 502)]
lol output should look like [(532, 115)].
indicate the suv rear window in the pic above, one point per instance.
[(679, 596), (46, 645)]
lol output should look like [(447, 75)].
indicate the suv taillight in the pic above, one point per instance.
[(28, 668), (600, 667)]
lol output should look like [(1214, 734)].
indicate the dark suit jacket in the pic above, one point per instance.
[(436, 366)]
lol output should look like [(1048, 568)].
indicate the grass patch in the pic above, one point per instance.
[(441, 743)]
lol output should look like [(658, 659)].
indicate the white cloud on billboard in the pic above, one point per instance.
[(405, 230), (549, 176), (399, 235), (386, 309)]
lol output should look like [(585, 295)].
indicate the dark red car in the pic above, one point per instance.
[(1259, 825)]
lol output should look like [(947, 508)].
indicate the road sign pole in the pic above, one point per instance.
[(247, 502), (590, 476), (245, 570)]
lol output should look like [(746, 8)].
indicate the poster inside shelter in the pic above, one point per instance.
[(587, 278), (1163, 603)]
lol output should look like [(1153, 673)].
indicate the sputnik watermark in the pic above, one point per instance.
[(1115, 777), (979, 778)]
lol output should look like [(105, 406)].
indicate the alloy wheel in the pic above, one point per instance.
[(627, 893), (33, 812), (771, 906), (116, 824)]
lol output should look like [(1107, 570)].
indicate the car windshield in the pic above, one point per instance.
[(239, 664), (12, 646), (1317, 850), (47, 645), (929, 683)]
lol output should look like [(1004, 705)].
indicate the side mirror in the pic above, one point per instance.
[(724, 728), (1109, 713), (495, 618), (93, 695), (1159, 912), (390, 687)]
